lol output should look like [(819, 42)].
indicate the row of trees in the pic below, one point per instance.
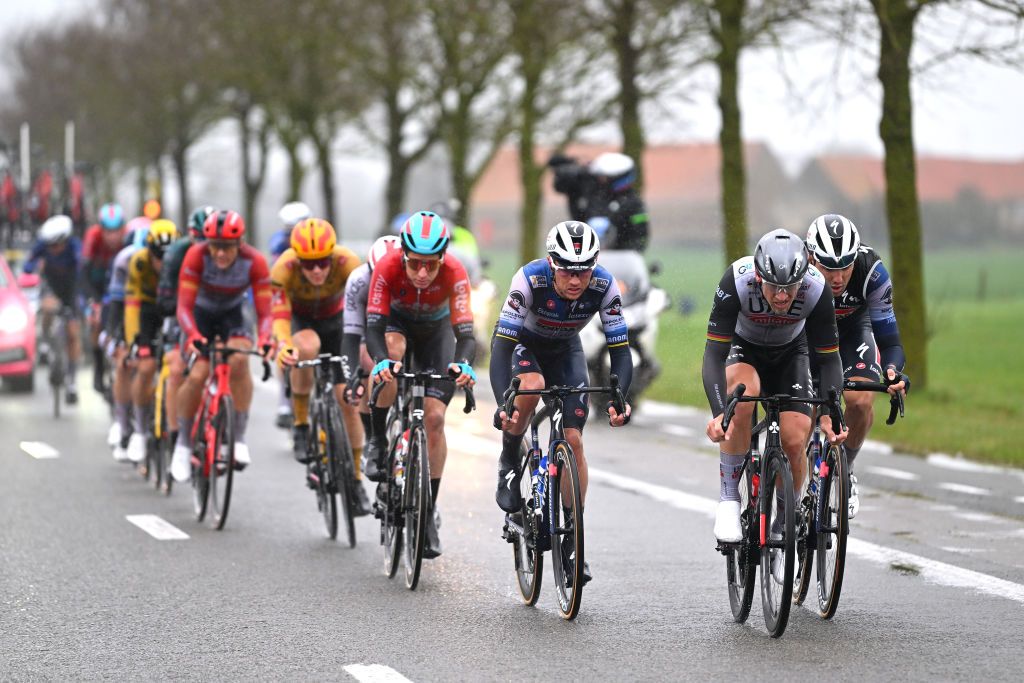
[(145, 79)]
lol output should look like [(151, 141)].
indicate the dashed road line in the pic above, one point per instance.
[(157, 527), (964, 488), (39, 450), (375, 673), (893, 473), (677, 430)]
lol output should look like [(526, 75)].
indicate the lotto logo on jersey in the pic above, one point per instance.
[(461, 296)]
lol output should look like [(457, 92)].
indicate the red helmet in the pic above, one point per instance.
[(224, 225)]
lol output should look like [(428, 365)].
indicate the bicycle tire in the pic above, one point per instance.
[(804, 547), (319, 450), (342, 471), (568, 579), (56, 375), (740, 565), (222, 473), (777, 594), (529, 561), (390, 495), (417, 505), (834, 529)]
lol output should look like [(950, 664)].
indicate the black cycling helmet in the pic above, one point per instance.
[(781, 258)]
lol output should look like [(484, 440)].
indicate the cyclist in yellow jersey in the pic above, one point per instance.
[(308, 282), (142, 322)]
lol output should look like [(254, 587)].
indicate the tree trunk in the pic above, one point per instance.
[(628, 57), (730, 140), (296, 171), (458, 147), (529, 173), (323, 157), (398, 167), (180, 157), (253, 171), (896, 24)]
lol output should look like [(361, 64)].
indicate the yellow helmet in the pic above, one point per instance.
[(313, 238), (161, 233)]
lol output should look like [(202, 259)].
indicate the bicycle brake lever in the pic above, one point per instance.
[(470, 401)]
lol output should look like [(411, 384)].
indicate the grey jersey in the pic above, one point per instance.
[(757, 322), (357, 289)]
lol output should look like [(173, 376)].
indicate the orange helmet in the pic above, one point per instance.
[(151, 209), (313, 238)]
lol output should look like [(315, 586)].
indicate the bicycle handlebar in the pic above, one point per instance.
[(469, 406), (896, 405), (737, 397), (618, 400), (208, 350)]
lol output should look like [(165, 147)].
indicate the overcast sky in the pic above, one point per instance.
[(968, 109)]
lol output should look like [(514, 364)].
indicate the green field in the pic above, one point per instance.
[(975, 402)]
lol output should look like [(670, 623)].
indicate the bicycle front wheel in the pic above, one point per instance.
[(833, 528), (223, 470), (567, 543), (418, 508), (740, 562), (200, 469), (805, 537), (389, 497), (342, 471), (528, 559), (779, 550), (320, 469)]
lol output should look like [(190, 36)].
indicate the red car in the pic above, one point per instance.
[(17, 330)]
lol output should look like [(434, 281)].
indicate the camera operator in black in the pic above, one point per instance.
[(604, 187)]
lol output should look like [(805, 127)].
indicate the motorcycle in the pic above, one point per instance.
[(642, 303)]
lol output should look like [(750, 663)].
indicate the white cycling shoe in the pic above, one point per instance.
[(727, 522), (136, 447), (242, 459), (854, 501), (181, 464), (114, 434)]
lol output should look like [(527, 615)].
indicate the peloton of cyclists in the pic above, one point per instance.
[(100, 245), (537, 339), (869, 338), (418, 297)]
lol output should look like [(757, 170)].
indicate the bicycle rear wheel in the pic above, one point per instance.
[(804, 539), (833, 529), (389, 496), (529, 560), (779, 550), (223, 470), (567, 545), (56, 376), (319, 469), (342, 470), (200, 467), (417, 507), (740, 564)]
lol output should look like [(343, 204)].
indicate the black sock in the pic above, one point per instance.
[(435, 484), (367, 424), (378, 421), (174, 436), (510, 450)]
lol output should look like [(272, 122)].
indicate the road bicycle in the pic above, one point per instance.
[(330, 469), (552, 508), (403, 502), (768, 522), (823, 524), (213, 434), (58, 355), (160, 448)]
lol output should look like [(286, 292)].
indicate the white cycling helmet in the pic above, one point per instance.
[(834, 241), (292, 213), (55, 229), (381, 247), (611, 164), (573, 245)]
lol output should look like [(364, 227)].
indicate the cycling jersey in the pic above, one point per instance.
[(116, 291), (869, 296), (140, 290), (357, 290), (294, 295), (393, 295), (535, 316), (97, 259), (202, 285), (167, 285), (740, 310), (60, 271)]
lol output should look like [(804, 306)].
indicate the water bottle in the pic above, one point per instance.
[(816, 454)]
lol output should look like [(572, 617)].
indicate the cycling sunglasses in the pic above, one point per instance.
[(790, 290), (318, 263), (836, 264), (417, 264)]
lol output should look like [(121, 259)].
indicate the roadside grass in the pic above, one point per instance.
[(975, 402)]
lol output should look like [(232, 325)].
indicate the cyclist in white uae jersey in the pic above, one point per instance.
[(766, 311)]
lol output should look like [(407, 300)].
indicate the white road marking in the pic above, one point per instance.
[(965, 551), (1019, 499), (963, 465), (39, 450), (677, 430), (877, 446), (893, 474), (979, 517), (964, 488), (932, 571), (375, 673), (157, 527), (659, 409)]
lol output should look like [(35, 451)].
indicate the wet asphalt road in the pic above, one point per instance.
[(934, 587)]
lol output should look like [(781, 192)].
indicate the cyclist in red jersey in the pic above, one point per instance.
[(215, 276), (100, 245), (418, 297)]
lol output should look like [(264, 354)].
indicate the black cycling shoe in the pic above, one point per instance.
[(300, 443), (284, 420), (507, 494), (374, 469), (432, 543), (71, 396), (362, 502)]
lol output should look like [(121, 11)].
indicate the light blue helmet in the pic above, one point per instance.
[(111, 216), (140, 236), (425, 233)]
